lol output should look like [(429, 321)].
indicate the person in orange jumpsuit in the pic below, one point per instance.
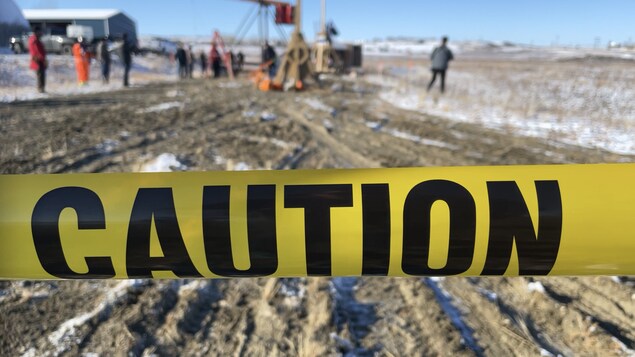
[(82, 61)]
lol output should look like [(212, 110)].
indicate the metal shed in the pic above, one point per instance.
[(104, 22)]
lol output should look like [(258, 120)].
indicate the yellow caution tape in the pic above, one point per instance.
[(522, 220)]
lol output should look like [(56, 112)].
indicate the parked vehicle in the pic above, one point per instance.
[(53, 42), (158, 45)]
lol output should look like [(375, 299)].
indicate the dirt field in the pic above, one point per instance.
[(218, 125)]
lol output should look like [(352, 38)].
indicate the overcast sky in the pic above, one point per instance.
[(541, 22)]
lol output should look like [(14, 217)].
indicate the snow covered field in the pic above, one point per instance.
[(487, 50), (575, 97), (17, 81)]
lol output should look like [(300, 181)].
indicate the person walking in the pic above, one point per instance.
[(214, 57), (441, 57), (104, 58), (38, 58), (82, 61), (127, 48), (181, 58)]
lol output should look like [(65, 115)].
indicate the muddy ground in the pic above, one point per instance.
[(219, 125)]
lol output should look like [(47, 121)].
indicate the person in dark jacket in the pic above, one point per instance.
[(104, 58), (127, 48), (203, 59), (214, 58), (181, 58), (38, 58), (190, 62), (241, 60), (269, 57), (441, 57)]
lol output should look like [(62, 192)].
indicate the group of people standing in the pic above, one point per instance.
[(210, 64), (83, 54), (103, 55)]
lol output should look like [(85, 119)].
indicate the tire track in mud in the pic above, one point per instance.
[(130, 326), (525, 329), (195, 307), (496, 332), (30, 316), (555, 328), (409, 320), (446, 301), (352, 318), (339, 150), (596, 307), (524, 322), (266, 317), (73, 333)]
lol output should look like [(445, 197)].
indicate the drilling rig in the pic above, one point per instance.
[(296, 65), (327, 60)]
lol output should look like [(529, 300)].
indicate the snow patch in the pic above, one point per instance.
[(228, 85), (90, 354), (174, 93), (242, 166), (164, 163), (249, 114), (373, 125), (293, 290), (417, 139), (281, 144), (545, 353), (317, 104), (536, 286), (627, 351), (160, 107), (107, 147), (446, 301), (268, 116), (328, 125)]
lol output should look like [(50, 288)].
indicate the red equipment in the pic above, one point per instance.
[(226, 56), (284, 14)]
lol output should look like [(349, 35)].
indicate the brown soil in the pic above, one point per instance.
[(218, 124)]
